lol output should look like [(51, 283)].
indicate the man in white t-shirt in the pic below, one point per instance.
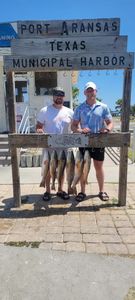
[(54, 119)]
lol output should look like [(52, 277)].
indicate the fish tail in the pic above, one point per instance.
[(53, 186), (42, 184)]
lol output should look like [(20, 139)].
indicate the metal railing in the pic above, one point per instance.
[(25, 124)]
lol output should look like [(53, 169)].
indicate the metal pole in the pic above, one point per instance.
[(133, 146)]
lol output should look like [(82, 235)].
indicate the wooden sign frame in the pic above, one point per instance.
[(114, 139)]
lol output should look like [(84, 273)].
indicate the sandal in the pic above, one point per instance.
[(80, 197), (46, 196), (103, 196), (63, 195)]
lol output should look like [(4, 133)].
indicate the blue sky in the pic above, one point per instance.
[(109, 84)]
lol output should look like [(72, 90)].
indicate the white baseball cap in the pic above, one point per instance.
[(58, 91), (90, 84)]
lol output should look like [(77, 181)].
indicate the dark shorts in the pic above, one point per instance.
[(95, 153)]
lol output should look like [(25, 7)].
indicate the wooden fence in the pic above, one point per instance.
[(64, 141)]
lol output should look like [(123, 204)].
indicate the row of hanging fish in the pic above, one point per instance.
[(56, 164)]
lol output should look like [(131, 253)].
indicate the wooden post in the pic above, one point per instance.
[(13, 149), (124, 128)]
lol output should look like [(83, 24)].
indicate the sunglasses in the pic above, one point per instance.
[(59, 94)]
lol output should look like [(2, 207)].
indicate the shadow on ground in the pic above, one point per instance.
[(33, 206)]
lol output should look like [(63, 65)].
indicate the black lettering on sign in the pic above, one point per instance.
[(64, 28), (82, 28), (46, 27), (54, 60), (98, 61), (83, 46), (24, 63), (75, 46), (39, 29), (67, 45), (69, 64), (37, 61), (61, 62), (83, 61), (106, 60), (66, 62), (69, 27), (16, 63), (102, 61), (121, 60), (59, 46), (106, 28), (114, 61), (52, 43), (32, 63), (91, 63), (98, 26), (44, 62), (114, 26), (31, 28), (90, 27), (74, 27), (23, 28)]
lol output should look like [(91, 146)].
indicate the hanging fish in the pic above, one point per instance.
[(87, 164), (61, 168), (70, 168), (53, 168), (79, 163), (45, 167)]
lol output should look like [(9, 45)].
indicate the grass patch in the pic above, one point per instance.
[(131, 294), (35, 244), (130, 154), (23, 244), (17, 244), (114, 200)]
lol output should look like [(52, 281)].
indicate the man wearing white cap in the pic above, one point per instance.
[(92, 116)]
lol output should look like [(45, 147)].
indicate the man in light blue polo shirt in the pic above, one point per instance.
[(92, 116)]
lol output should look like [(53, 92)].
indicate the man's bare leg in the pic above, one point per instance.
[(99, 174), (82, 183)]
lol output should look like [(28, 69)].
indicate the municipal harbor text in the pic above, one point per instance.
[(56, 62)]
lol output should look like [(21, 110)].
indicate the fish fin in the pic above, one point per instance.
[(74, 190), (70, 191)]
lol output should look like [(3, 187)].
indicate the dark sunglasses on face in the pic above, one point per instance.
[(59, 94)]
